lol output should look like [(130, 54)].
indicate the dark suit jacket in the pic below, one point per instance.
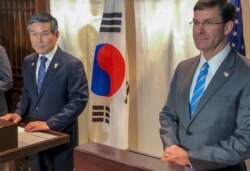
[(62, 98), (219, 134), (5, 79)]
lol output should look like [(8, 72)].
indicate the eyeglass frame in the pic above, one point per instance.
[(205, 24)]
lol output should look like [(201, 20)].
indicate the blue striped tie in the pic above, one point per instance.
[(41, 72), (199, 88)]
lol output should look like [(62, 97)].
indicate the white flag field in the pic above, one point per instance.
[(108, 121)]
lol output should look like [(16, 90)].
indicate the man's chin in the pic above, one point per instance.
[(41, 51), (201, 48)]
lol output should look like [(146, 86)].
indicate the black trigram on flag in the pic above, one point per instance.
[(111, 22), (100, 114), (127, 88)]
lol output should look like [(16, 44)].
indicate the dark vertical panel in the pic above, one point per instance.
[(15, 23), (1, 23), (19, 34), (42, 6)]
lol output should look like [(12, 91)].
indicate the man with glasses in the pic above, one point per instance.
[(205, 123)]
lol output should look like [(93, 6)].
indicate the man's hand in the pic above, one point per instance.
[(36, 126), (12, 117), (175, 154)]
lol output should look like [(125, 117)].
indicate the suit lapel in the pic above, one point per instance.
[(186, 82), (53, 67), (223, 73), (33, 72)]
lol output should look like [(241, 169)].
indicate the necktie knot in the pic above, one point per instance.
[(199, 87), (43, 59), (205, 67)]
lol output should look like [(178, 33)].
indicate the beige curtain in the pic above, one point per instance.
[(162, 39)]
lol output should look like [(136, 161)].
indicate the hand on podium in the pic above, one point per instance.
[(30, 127), (177, 155), (36, 126), (12, 117)]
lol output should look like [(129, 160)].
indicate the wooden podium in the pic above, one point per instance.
[(29, 144), (96, 157)]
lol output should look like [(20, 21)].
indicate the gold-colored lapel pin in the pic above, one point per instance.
[(55, 65), (226, 74)]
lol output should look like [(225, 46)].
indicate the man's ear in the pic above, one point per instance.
[(57, 33), (228, 27)]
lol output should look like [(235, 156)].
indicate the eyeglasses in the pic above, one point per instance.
[(205, 24)]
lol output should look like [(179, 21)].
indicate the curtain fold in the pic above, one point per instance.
[(163, 39)]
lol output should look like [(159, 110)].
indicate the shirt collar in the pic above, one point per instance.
[(216, 61)]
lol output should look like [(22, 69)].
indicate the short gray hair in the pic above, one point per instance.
[(43, 17)]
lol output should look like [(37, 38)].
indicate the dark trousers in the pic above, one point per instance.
[(238, 167), (55, 159)]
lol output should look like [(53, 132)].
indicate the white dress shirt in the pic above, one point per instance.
[(214, 64), (49, 57)]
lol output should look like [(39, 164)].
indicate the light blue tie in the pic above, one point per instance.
[(41, 72), (198, 88)]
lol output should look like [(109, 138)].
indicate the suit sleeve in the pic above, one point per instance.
[(168, 118), (234, 149), (6, 80), (25, 98), (77, 98)]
